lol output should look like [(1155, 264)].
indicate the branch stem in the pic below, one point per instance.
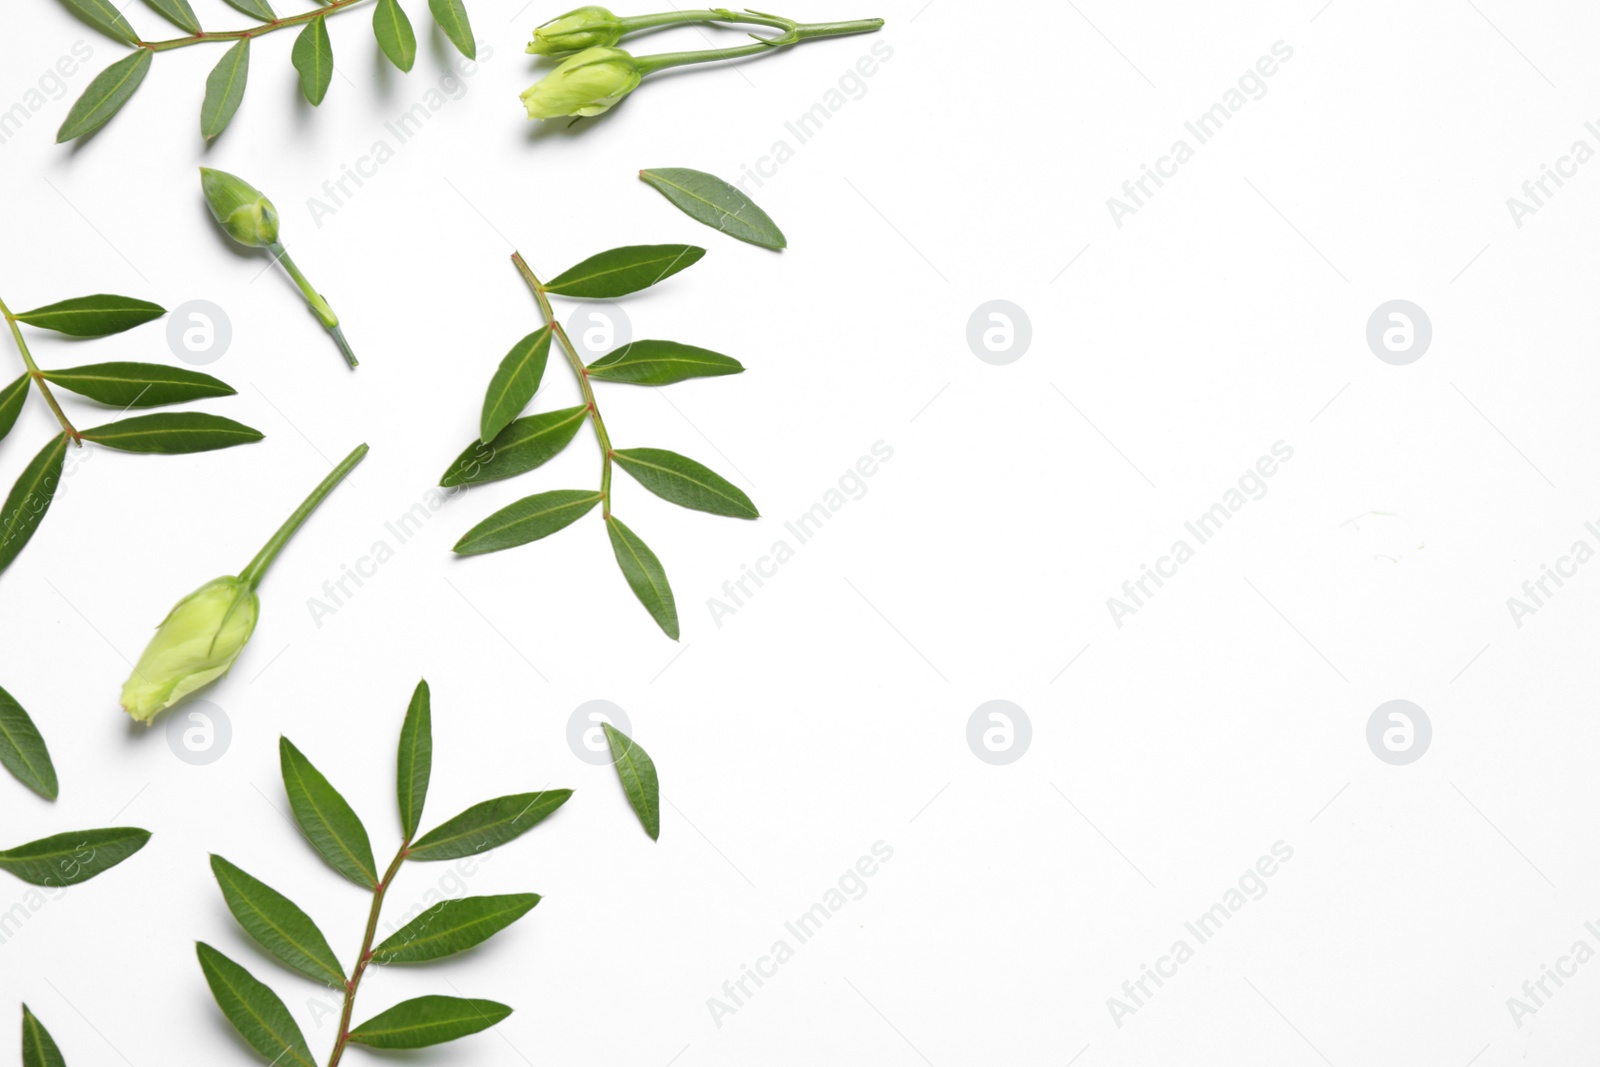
[(366, 954), (315, 300), (258, 567), (793, 33), (36, 376), (333, 7)]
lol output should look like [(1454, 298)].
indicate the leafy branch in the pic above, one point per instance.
[(312, 54)]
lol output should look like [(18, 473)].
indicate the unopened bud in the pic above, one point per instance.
[(196, 644), (585, 27), (583, 85), (240, 208)]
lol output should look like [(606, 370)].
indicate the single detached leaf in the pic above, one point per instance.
[(685, 482), (104, 16), (528, 519), (177, 12), (72, 857), (22, 749), (225, 88), (312, 56), (488, 825), (646, 577), (105, 95), (395, 36), (138, 385), (38, 1047), (30, 498), (452, 926), (255, 9), (93, 316), (415, 760), (451, 15), (173, 433), (278, 924), (12, 397), (520, 447), (254, 1010), (625, 270), (514, 383), (638, 773), (661, 363), (707, 198), (328, 822), (428, 1021)]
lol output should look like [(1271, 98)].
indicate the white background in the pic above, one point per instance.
[(830, 712)]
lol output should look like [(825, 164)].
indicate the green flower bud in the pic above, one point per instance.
[(585, 27), (239, 208), (196, 644), (583, 85)]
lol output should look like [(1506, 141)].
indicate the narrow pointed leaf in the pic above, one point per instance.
[(138, 385), (12, 397), (38, 1047), (72, 857), (514, 383), (278, 924), (638, 773), (225, 88), (707, 198), (661, 363), (645, 575), (520, 447), (328, 821), (105, 95), (30, 498), (254, 1010), (685, 482), (395, 35), (415, 760), (452, 926), (528, 519), (177, 12), (625, 270), (93, 316), (255, 9), (22, 749), (488, 825), (313, 58), (451, 15), (173, 433), (104, 16)]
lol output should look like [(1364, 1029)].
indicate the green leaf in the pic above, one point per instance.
[(278, 924), (488, 825), (528, 519), (93, 316), (22, 749), (177, 12), (30, 498), (224, 89), (313, 58), (707, 198), (646, 577), (625, 270), (12, 397), (38, 1047), (173, 433), (255, 9), (661, 363), (685, 482), (451, 16), (104, 16), (520, 447), (105, 95), (138, 385), (395, 36), (638, 773), (254, 1010), (514, 383), (72, 857), (415, 760), (452, 926), (327, 821)]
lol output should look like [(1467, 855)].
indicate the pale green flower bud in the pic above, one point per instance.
[(195, 645), (240, 208), (583, 85), (585, 27)]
